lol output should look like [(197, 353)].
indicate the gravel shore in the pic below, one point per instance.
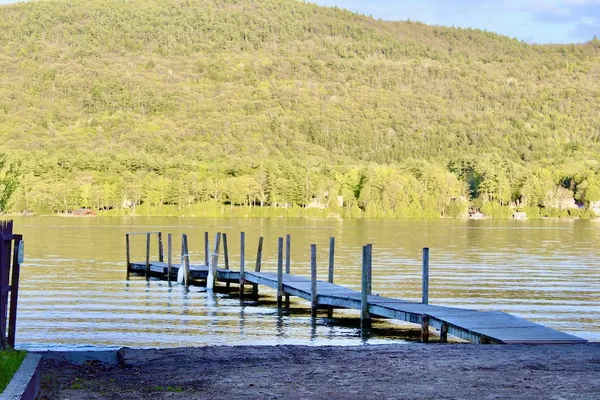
[(414, 371)]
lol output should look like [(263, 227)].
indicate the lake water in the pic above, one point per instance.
[(74, 292)]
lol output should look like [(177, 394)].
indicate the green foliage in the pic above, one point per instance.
[(264, 107), (10, 361)]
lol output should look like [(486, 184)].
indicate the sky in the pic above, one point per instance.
[(535, 21)]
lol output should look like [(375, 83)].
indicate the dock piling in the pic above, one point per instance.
[(313, 278), (288, 255), (331, 258), (226, 256), (169, 257), (206, 249), (242, 265), (147, 256), (185, 260), (425, 275), (258, 264), (161, 251), (444, 333), (127, 254), (279, 272), (425, 328), (365, 316), (212, 269)]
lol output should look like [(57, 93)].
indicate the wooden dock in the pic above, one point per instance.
[(485, 327)]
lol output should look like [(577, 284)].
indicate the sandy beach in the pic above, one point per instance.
[(414, 371)]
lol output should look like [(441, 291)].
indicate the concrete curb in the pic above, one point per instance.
[(25, 384)]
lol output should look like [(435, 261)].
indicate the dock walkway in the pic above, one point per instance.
[(471, 325)]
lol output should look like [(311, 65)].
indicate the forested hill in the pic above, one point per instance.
[(280, 102)]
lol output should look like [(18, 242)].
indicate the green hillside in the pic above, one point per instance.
[(192, 106)]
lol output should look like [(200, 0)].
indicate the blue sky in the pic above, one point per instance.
[(539, 21)]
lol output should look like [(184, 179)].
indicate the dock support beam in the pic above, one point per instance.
[(365, 316), (425, 275), (279, 273), (242, 265), (169, 256), (288, 256), (258, 264), (425, 328), (313, 279), (444, 333)]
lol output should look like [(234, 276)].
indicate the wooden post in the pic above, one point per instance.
[(127, 252), (444, 333), (242, 265), (365, 317), (279, 272), (226, 256), (331, 257), (425, 275), (313, 278), (147, 256), (14, 292), (288, 256), (331, 273), (425, 328), (161, 251), (258, 263), (186, 260), (212, 271), (169, 256), (206, 249)]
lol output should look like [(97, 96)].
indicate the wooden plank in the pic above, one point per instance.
[(280, 272), (425, 297)]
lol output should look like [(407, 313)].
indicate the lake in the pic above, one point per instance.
[(74, 292)]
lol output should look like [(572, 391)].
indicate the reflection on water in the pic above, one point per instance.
[(74, 293)]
